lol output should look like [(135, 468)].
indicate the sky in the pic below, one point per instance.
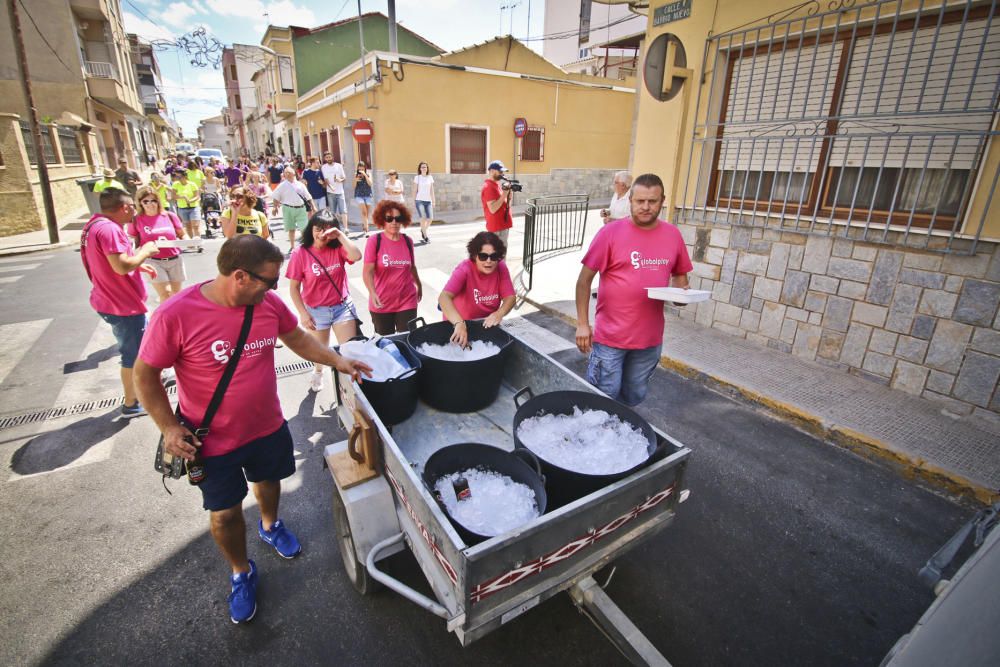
[(194, 93)]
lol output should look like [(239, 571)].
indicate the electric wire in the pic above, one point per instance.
[(44, 40)]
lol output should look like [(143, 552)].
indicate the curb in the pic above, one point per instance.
[(27, 249), (869, 447)]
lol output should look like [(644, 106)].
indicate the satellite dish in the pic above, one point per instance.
[(665, 69)]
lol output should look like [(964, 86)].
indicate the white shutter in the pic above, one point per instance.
[(912, 60), (769, 94), (285, 73)]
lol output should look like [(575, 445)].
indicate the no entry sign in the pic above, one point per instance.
[(363, 132), (520, 127)]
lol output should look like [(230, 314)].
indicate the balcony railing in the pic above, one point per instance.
[(100, 70)]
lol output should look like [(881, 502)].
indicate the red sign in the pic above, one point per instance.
[(520, 127), (363, 131)]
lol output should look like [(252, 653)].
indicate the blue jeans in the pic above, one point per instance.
[(424, 209), (622, 374), (336, 203)]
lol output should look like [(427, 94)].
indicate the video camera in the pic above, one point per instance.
[(511, 184)]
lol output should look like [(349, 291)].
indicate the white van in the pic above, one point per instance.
[(184, 148)]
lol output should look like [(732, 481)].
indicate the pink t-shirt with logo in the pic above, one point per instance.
[(317, 290), (153, 228), (478, 295), (630, 259), (112, 293), (394, 282), (196, 337)]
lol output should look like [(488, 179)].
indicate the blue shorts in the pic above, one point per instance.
[(128, 330), (189, 214), (336, 203), (367, 201), (319, 203), (426, 207), (325, 317), (267, 459), (622, 374)]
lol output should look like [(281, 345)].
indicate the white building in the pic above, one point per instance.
[(605, 36), (212, 134)]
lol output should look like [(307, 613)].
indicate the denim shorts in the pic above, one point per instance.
[(192, 214), (326, 316), (319, 203), (368, 201), (267, 459), (336, 203), (425, 206), (622, 374), (128, 330)]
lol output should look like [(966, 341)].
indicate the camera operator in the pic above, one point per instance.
[(496, 201)]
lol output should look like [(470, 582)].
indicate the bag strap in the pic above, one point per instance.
[(409, 245), (84, 238), (227, 375), (325, 273)]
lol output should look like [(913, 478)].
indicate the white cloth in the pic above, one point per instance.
[(423, 184), (620, 206), (394, 192), (291, 193), (331, 172)]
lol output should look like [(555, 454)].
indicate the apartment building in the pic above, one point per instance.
[(239, 63), (593, 37)]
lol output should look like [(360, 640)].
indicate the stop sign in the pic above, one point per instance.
[(520, 127), (363, 131)]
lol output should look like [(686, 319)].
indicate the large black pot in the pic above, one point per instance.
[(463, 456), (395, 399), (564, 486), (459, 386)]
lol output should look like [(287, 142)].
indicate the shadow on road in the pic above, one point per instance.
[(92, 361), (55, 449)]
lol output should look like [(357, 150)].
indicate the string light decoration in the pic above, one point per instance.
[(202, 48)]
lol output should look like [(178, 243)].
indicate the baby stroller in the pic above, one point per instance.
[(211, 211)]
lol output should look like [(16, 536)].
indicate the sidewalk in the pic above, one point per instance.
[(908, 432)]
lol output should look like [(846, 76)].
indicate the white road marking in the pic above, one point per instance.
[(21, 267), (17, 341), (6, 280), (103, 380), (539, 338), (17, 259)]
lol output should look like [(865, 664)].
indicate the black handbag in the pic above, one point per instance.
[(172, 466)]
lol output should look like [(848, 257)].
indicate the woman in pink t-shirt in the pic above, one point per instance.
[(152, 224), (478, 288), (317, 271), (390, 271)]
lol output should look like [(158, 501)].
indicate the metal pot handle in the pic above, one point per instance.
[(411, 324), (526, 390), (529, 457)]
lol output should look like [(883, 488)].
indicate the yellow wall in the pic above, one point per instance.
[(584, 127), (663, 129)]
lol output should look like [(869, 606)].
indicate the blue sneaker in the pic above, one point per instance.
[(243, 599), (282, 539), (132, 411)]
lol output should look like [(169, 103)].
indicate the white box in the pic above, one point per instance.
[(178, 243), (678, 294)]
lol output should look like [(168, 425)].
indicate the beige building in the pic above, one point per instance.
[(834, 170)]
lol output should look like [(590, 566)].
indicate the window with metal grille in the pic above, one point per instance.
[(467, 150), (867, 114), (29, 144), (533, 145), (69, 142)]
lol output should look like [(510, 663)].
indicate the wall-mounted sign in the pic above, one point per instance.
[(665, 70), (363, 132), (674, 11)]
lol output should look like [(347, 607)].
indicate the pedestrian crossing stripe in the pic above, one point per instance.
[(22, 267), (6, 280), (18, 338)]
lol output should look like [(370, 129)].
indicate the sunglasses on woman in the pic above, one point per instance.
[(147, 201), (494, 256), (395, 218)]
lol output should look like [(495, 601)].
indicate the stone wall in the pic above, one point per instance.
[(926, 323), (456, 192)]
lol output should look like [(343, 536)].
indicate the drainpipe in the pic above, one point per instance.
[(393, 47), (364, 69)]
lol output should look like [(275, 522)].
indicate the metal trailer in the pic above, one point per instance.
[(479, 588)]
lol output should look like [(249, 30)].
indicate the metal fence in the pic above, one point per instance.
[(870, 120), (69, 142), (553, 225), (29, 144)]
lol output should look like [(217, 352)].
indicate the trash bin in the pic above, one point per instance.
[(92, 198)]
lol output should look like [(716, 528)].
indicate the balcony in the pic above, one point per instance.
[(90, 9), (285, 104), (105, 87)]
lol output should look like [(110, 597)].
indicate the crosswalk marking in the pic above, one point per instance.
[(17, 341), (5, 280), (18, 259), (22, 267), (99, 378)]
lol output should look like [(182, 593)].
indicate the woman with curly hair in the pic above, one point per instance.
[(479, 287), (390, 272)]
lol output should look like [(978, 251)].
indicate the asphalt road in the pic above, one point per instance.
[(789, 550)]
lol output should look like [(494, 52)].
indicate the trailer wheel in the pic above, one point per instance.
[(356, 570)]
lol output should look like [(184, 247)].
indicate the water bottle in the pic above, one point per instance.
[(394, 352)]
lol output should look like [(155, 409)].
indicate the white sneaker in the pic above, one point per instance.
[(316, 381), (168, 377)]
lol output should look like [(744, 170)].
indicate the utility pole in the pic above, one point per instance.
[(36, 134), (393, 44), (364, 70)]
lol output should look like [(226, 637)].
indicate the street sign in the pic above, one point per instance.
[(520, 127), (675, 11), (363, 131)]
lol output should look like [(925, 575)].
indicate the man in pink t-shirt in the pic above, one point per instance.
[(631, 254), (118, 293), (248, 440)]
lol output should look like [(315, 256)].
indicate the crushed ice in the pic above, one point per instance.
[(478, 349), (593, 442), (496, 503)]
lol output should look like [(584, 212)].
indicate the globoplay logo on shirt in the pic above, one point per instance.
[(318, 270), (223, 349), (388, 261), (640, 262), (479, 297)]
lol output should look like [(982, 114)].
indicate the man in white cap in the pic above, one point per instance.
[(496, 202)]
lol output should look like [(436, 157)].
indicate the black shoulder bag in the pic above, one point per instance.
[(172, 466)]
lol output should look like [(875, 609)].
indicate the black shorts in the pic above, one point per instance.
[(387, 324), (266, 459)]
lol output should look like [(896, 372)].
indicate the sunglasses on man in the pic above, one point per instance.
[(493, 256), (272, 283)]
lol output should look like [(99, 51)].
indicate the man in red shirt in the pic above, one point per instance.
[(118, 293), (631, 254), (496, 202)]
